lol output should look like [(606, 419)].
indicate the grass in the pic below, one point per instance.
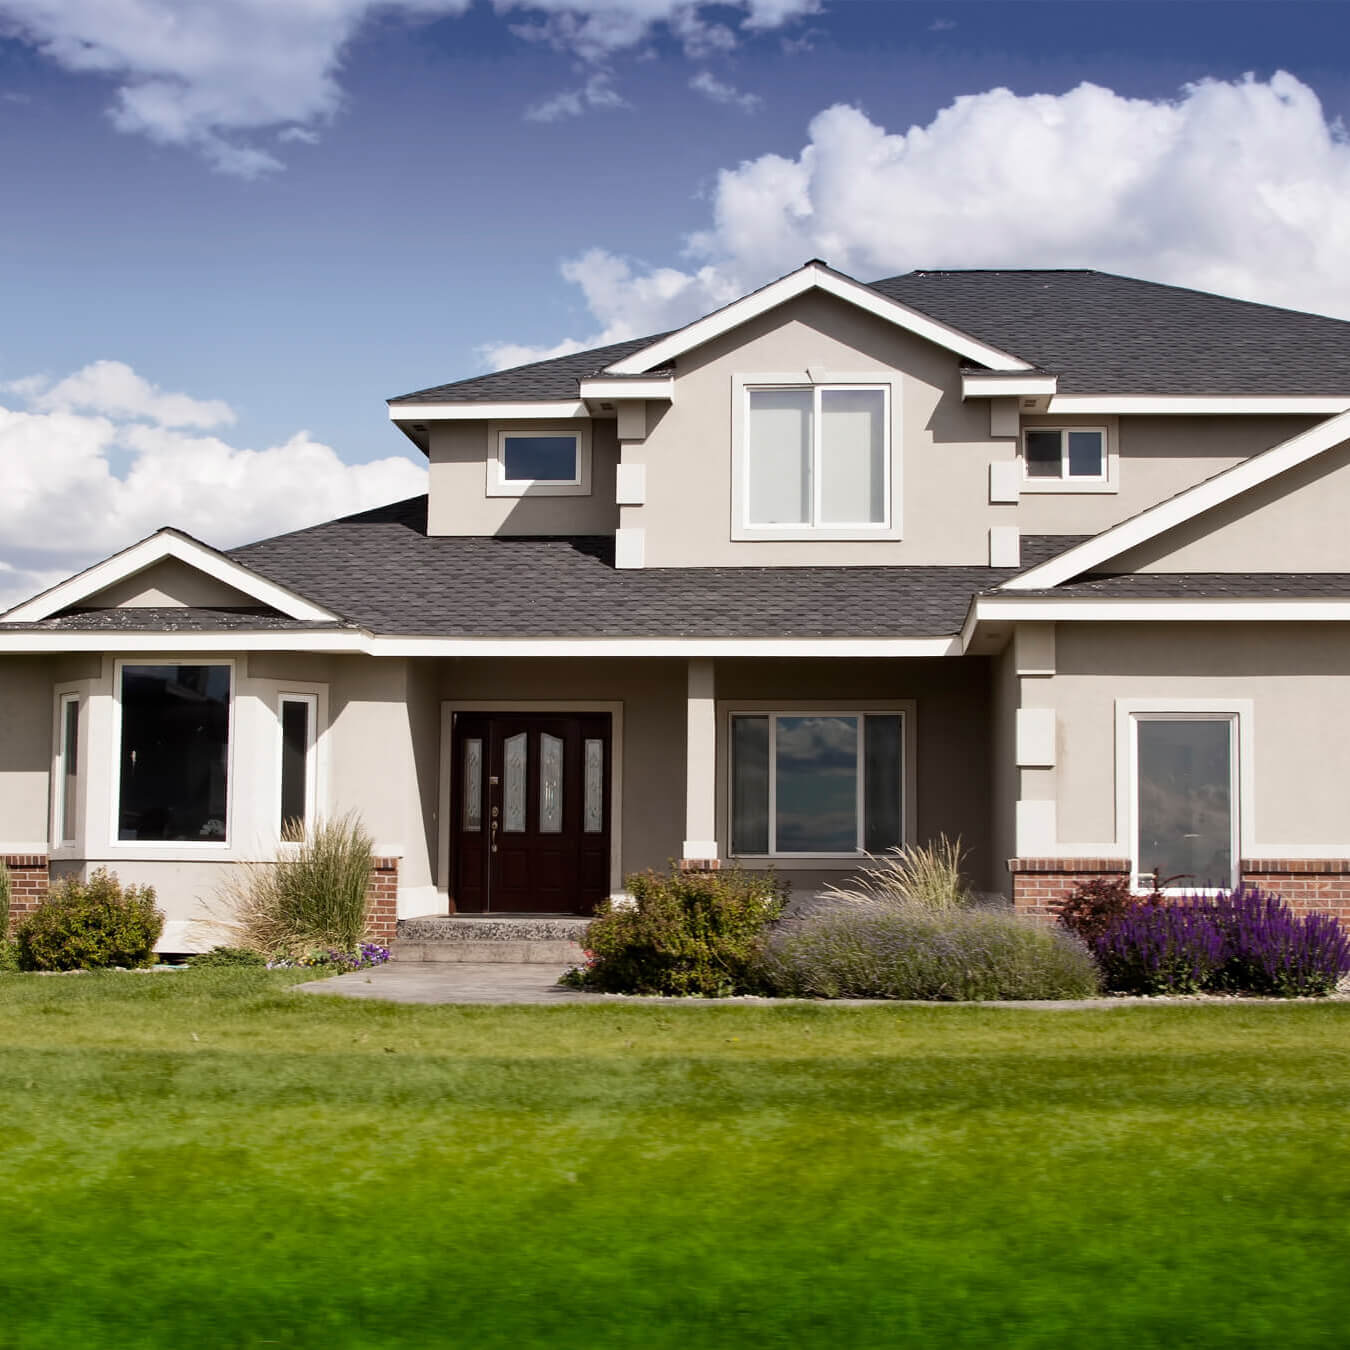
[(207, 1159)]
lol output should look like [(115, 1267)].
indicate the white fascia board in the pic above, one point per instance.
[(611, 389), (1223, 487), (1018, 609), (814, 276), (1008, 386), (1200, 404), (110, 640), (477, 412), (155, 549)]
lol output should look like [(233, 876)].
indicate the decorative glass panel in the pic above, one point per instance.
[(1042, 451), (852, 456), (780, 456), (816, 784), (550, 784), (594, 814), (1185, 799), (1085, 454), (881, 783), (539, 459), (513, 818), (294, 759), (70, 764), (174, 753), (750, 785), (473, 784)]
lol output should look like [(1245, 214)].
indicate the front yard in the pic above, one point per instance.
[(205, 1159)]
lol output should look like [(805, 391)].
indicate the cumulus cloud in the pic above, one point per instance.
[(1239, 187), (110, 459), (707, 84), (210, 74)]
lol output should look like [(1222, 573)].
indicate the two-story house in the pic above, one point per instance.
[(1055, 561)]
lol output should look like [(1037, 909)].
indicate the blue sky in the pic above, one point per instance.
[(285, 212)]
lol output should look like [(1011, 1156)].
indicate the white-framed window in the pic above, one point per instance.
[(815, 783), (813, 458), (297, 760), (1068, 458), (66, 771), (173, 725), (544, 460), (1185, 798)]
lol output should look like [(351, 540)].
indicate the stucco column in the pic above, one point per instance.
[(700, 773)]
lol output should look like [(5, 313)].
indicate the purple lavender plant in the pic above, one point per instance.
[(1162, 949)]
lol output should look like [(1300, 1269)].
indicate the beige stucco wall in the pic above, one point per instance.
[(1003, 772), (168, 583), (26, 720), (1294, 523), (459, 501), (1297, 676)]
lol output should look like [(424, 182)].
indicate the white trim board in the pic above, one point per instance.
[(481, 412), (1194, 501), (166, 543), (658, 387), (814, 275), (1199, 404)]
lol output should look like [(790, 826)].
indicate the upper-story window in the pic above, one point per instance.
[(540, 461), (814, 460), (1065, 454)]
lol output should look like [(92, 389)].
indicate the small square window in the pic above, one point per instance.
[(551, 460), (1065, 454), (539, 459)]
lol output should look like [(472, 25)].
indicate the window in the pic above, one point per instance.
[(816, 783), (1065, 454), (539, 460), (174, 752), (298, 731), (67, 775), (1186, 799), (817, 457)]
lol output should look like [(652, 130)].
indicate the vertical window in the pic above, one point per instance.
[(67, 768), (473, 784), (1186, 814), (174, 754), (594, 814), (816, 783), (298, 732), (1064, 453), (817, 456)]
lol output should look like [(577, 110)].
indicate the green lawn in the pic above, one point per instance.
[(206, 1159)]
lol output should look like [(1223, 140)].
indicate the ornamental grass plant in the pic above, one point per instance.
[(927, 876)]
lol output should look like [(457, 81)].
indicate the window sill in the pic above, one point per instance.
[(804, 862), (1038, 486), (539, 490), (807, 533)]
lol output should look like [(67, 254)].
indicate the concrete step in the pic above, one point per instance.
[(475, 953), (528, 939)]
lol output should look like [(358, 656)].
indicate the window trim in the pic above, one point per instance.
[(499, 485), (816, 380), (1106, 481), (161, 846), (311, 700), (1238, 713), (774, 708), (64, 698)]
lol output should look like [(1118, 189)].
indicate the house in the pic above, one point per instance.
[(1055, 561)]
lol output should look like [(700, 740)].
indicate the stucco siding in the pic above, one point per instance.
[(171, 583), (26, 718)]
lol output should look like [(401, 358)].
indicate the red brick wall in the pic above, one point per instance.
[(1304, 885), (28, 882), (382, 899), (1038, 883)]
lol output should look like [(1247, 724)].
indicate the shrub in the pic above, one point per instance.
[(686, 933), (1243, 941), (928, 876), (9, 956), (4, 899), (312, 896), (907, 952), (220, 957), (1093, 906), (89, 925)]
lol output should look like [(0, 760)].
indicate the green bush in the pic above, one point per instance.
[(695, 933), (91, 925), (219, 957), (908, 952), (9, 956), (312, 895)]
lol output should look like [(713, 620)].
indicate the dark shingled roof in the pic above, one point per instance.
[(168, 619), (1201, 586), (1100, 333), (381, 570)]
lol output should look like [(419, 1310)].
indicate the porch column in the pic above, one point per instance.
[(700, 768)]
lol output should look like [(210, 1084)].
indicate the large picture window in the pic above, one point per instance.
[(816, 784), (174, 754), (1186, 814)]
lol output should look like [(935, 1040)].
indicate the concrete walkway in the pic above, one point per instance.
[(454, 982)]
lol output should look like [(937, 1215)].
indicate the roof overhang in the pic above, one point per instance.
[(989, 384), (166, 543), (814, 276), (657, 387), (1182, 405), (476, 412)]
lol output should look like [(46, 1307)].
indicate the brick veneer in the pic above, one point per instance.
[(29, 879), (1037, 883), (382, 899)]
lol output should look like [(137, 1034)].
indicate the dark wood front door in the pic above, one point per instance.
[(531, 799)]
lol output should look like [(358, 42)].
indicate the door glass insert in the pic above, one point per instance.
[(594, 814), (550, 784), (513, 813), (473, 784)]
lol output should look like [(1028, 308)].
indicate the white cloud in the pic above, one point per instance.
[(208, 74), (1241, 188), (707, 84), (597, 92), (942, 25), (85, 477)]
